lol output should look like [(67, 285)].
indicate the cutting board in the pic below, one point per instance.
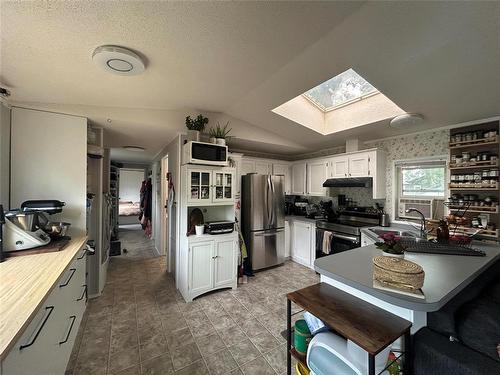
[(52, 246)]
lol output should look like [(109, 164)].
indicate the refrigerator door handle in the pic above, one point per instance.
[(269, 234), (269, 207)]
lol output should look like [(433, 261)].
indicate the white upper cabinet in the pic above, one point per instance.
[(299, 178), (339, 167), (369, 163), (359, 165), (263, 167), (317, 173), (283, 170), (247, 166)]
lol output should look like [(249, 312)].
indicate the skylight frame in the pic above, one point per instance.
[(324, 109)]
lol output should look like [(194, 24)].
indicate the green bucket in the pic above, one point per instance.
[(302, 336)]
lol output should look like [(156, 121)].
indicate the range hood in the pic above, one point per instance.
[(349, 182)]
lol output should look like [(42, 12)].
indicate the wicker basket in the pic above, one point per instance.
[(398, 272)]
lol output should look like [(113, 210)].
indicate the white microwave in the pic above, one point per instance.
[(204, 153)]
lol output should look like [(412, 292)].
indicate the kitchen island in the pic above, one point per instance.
[(445, 276)]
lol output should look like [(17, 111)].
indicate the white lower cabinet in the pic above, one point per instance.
[(47, 342), (303, 242), (201, 270), (287, 239), (212, 264)]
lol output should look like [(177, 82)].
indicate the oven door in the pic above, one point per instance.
[(343, 242), (339, 242)]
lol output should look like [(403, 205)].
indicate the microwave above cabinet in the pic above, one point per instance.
[(204, 153)]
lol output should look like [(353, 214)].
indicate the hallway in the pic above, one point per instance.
[(141, 324), (136, 244)]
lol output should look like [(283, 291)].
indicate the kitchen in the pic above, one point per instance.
[(267, 185)]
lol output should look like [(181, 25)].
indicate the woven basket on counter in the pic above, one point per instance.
[(398, 272)]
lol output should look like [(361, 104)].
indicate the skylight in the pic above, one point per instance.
[(346, 87)]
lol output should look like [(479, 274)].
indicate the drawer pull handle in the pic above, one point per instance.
[(83, 254), (73, 318), (49, 309), (72, 271), (84, 294)]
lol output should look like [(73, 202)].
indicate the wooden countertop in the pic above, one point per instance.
[(25, 283)]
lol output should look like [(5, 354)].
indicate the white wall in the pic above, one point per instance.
[(4, 155), (130, 184), (49, 161)]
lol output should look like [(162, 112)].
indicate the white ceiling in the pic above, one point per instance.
[(239, 60)]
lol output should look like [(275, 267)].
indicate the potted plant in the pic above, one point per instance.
[(391, 246), (195, 126), (219, 134)]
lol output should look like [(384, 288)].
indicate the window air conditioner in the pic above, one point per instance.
[(431, 208)]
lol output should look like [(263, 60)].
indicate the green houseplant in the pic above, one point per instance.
[(219, 133), (195, 126)]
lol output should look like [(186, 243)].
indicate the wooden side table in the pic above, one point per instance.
[(368, 326)]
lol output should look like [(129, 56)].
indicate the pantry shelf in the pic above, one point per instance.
[(474, 143)]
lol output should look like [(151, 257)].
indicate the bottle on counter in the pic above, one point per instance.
[(443, 233)]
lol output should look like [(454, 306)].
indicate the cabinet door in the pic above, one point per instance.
[(358, 165), (317, 173), (225, 262), (299, 178), (262, 167), (201, 269), (301, 241), (284, 170), (199, 186), (223, 182), (339, 167), (247, 166)]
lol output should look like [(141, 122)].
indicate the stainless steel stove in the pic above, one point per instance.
[(345, 231)]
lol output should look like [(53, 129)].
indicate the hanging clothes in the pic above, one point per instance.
[(146, 205)]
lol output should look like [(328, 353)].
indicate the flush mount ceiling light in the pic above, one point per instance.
[(134, 148), (118, 60), (406, 119)]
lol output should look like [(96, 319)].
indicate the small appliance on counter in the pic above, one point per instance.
[(29, 227), (219, 227), (300, 206)]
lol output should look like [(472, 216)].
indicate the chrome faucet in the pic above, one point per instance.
[(423, 231)]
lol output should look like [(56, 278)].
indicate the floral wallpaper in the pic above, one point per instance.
[(410, 147)]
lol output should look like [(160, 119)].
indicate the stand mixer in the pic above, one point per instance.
[(27, 228)]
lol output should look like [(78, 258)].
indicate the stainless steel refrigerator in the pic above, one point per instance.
[(263, 219)]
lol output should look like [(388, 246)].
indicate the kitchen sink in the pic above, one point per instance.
[(400, 233)]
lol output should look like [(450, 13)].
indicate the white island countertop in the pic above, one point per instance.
[(445, 275)]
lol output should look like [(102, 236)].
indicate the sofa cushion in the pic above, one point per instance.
[(492, 292), (478, 326), (444, 320)]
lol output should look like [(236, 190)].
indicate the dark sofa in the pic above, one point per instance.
[(461, 338)]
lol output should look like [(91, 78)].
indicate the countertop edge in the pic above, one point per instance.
[(394, 300), (6, 345)]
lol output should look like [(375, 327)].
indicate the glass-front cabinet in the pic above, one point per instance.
[(206, 186), (223, 186)]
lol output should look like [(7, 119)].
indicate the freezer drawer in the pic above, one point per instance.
[(267, 248)]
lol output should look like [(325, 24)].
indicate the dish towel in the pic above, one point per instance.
[(327, 239)]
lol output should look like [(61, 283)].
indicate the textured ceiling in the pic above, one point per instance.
[(242, 59)]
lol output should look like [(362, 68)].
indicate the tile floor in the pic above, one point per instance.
[(141, 324)]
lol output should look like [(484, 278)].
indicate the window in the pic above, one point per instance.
[(422, 181), (341, 89), (420, 184)]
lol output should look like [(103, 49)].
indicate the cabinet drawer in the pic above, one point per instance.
[(33, 352)]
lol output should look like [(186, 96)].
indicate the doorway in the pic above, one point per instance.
[(164, 230)]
